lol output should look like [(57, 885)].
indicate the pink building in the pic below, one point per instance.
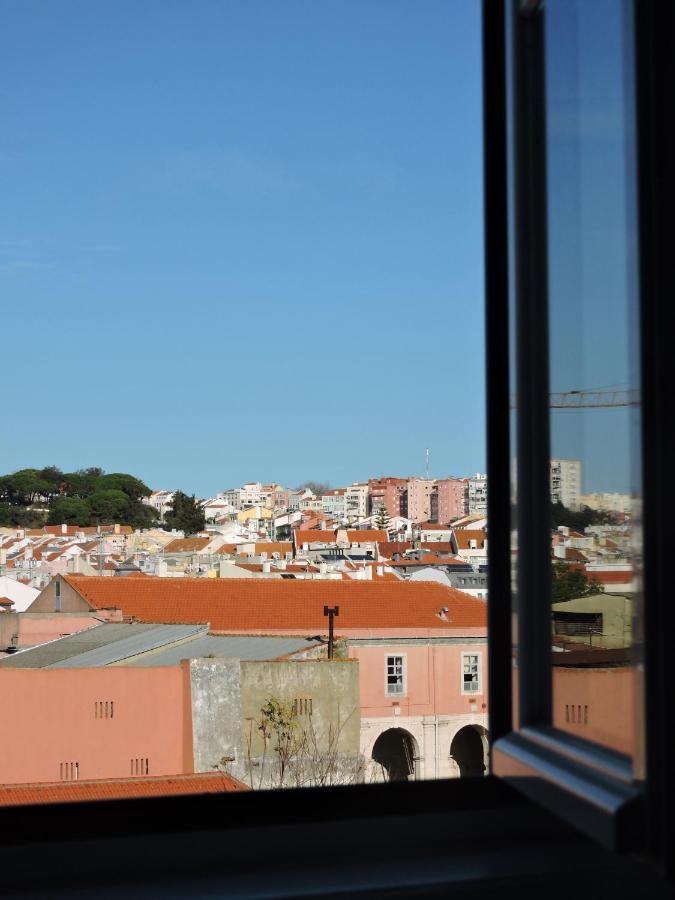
[(419, 499), (390, 493), (453, 498), (421, 649)]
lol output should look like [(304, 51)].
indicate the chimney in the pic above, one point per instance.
[(117, 528), (28, 553), (323, 568), (380, 571), (64, 528), (266, 566), (162, 568), (76, 563), (3, 556), (281, 564)]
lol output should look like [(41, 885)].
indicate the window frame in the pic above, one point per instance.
[(479, 677), (404, 675), (588, 785)]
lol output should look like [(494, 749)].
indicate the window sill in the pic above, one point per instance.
[(588, 786)]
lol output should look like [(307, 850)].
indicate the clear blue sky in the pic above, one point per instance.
[(241, 240)]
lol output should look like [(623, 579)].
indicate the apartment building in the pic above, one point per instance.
[(390, 493), (450, 499), (334, 504), (566, 482), (419, 499), (356, 501), (478, 494)]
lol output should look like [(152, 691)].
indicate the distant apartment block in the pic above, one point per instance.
[(356, 501), (419, 499), (478, 494), (334, 504), (390, 494), (566, 482), (450, 499), (618, 503)]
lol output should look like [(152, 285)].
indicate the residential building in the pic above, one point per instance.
[(161, 501), (566, 482), (390, 494), (619, 503), (477, 495), (452, 497), (334, 504), (356, 500), (419, 499)]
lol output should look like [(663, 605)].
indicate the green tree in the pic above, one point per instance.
[(69, 511), (185, 514), (22, 488), (108, 506), (120, 481), (568, 583), (580, 519)]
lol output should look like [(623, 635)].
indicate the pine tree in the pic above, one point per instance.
[(382, 518)]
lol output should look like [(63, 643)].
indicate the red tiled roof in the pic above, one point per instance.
[(374, 535), (268, 605), (464, 536), (576, 555), (611, 577), (119, 788), (314, 536), (428, 559), (270, 547), (186, 545)]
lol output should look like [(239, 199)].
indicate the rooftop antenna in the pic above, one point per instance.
[(426, 463)]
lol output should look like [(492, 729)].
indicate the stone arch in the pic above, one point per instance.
[(397, 752), (469, 751)]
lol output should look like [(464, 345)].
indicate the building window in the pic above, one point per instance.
[(395, 677), (57, 596), (471, 673)]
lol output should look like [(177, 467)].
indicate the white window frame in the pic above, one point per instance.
[(479, 690), (404, 675)]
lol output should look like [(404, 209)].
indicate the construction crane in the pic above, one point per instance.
[(594, 399)]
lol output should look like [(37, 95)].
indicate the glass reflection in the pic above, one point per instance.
[(592, 307)]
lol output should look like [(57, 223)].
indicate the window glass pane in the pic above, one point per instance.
[(594, 484)]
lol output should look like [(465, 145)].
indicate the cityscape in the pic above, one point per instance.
[(281, 637)]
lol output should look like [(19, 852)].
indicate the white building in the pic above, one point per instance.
[(162, 501), (334, 504), (566, 482), (478, 495), (356, 502), (619, 503)]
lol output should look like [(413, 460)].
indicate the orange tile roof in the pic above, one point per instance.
[(372, 535), (119, 788), (268, 605), (270, 547), (464, 536), (186, 545), (428, 559), (314, 536)]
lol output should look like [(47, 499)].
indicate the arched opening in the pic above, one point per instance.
[(468, 751), (396, 751)]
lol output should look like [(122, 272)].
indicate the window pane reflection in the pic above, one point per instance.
[(592, 307)]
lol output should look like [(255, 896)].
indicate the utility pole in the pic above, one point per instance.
[(331, 612)]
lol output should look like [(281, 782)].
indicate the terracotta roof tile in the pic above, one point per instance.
[(267, 605), (119, 788), (186, 545)]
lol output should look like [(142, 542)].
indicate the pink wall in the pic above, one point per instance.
[(452, 499), (434, 679), (49, 718), (39, 629), (604, 705)]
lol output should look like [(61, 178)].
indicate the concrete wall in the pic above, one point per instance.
[(38, 628), (50, 718), (215, 688)]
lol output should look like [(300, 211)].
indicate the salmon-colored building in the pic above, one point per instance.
[(421, 649)]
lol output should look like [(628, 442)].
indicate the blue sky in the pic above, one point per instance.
[(241, 240)]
